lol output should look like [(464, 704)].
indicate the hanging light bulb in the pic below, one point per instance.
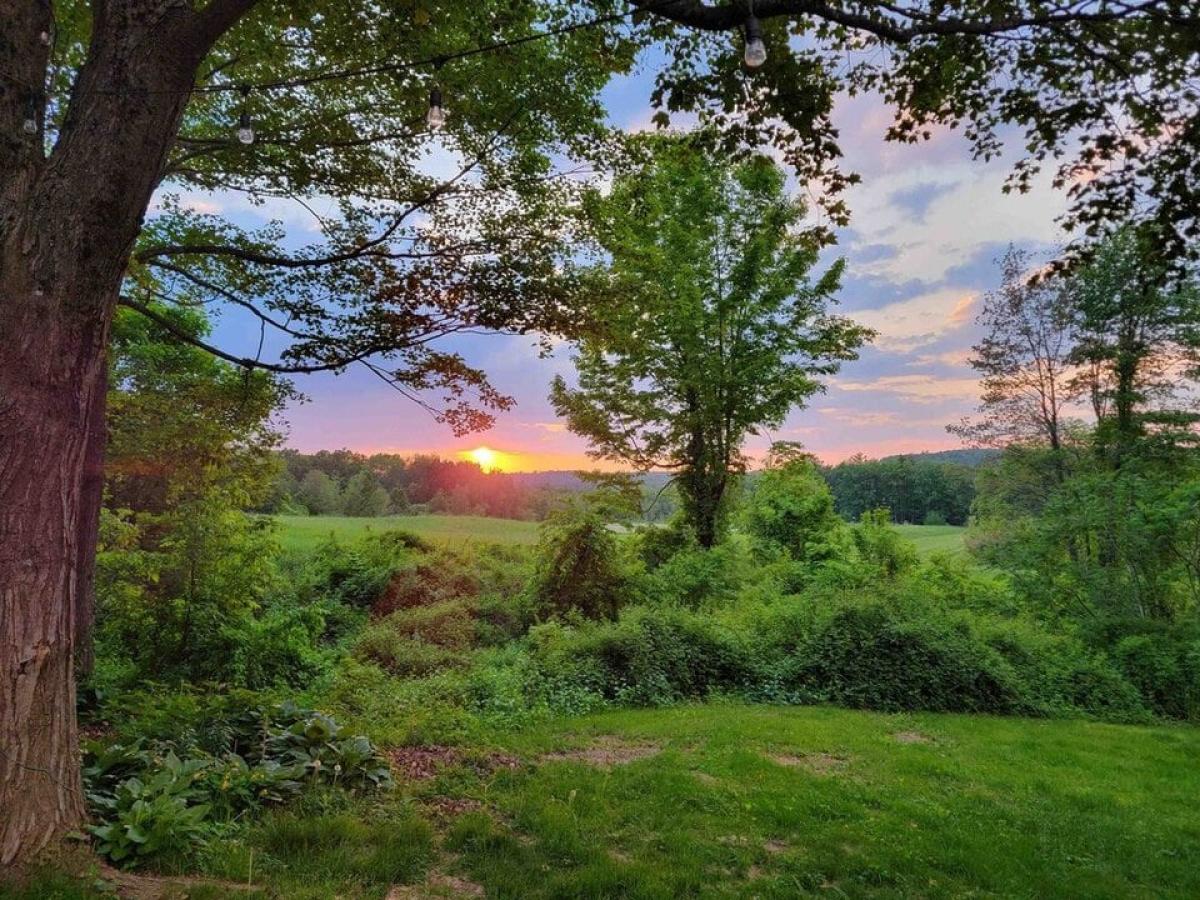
[(435, 118), (245, 129), (30, 123), (756, 50)]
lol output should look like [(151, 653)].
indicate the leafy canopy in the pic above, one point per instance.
[(712, 328)]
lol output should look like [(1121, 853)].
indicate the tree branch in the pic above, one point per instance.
[(245, 362), (910, 24)]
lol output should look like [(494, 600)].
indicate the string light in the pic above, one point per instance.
[(756, 50), (435, 118), (30, 125), (245, 129)]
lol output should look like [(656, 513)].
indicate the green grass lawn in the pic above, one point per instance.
[(932, 538), (301, 533), (736, 801), (741, 801)]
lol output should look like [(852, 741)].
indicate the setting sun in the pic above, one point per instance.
[(485, 457)]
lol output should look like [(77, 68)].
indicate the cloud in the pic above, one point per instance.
[(960, 356), (859, 417), (962, 209), (907, 325), (917, 388)]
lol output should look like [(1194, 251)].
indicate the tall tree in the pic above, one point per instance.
[(1024, 360), (104, 103), (713, 329), (1137, 339)]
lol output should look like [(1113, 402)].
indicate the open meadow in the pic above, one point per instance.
[(302, 533)]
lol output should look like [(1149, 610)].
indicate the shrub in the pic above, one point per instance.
[(697, 578), (1164, 664), (881, 547), (869, 656), (404, 656), (792, 508), (658, 543), (580, 569)]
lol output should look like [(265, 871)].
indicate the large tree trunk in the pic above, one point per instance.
[(67, 224), (49, 376)]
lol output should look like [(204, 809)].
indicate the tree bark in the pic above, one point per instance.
[(49, 375), (68, 222), (91, 497)]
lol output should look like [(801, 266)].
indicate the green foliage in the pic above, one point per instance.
[(581, 568), (913, 489), (152, 804), (318, 493), (657, 544), (709, 324), (792, 509), (881, 547), (364, 496)]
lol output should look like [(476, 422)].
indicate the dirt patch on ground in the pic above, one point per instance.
[(912, 737), (606, 752), (774, 847), (438, 884), (423, 763), (450, 807), (817, 763), (154, 887), (706, 779)]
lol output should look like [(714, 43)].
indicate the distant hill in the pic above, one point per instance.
[(968, 456)]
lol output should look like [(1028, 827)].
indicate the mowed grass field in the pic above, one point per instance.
[(934, 538), (302, 533), (739, 801), (736, 801)]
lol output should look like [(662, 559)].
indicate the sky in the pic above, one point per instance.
[(928, 225)]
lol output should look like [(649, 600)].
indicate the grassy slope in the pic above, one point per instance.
[(932, 538), (305, 532)]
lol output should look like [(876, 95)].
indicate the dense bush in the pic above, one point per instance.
[(1161, 659), (581, 570), (792, 509)]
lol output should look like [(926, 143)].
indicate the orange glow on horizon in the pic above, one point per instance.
[(489, 460)]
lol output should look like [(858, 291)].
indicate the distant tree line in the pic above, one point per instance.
[(342, 482), (917, 491)]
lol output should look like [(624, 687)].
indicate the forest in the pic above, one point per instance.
[(712, 663)]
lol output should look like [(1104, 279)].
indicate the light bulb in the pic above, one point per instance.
[(245, 130), (435, 118), (30, 124), (756, 50)]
